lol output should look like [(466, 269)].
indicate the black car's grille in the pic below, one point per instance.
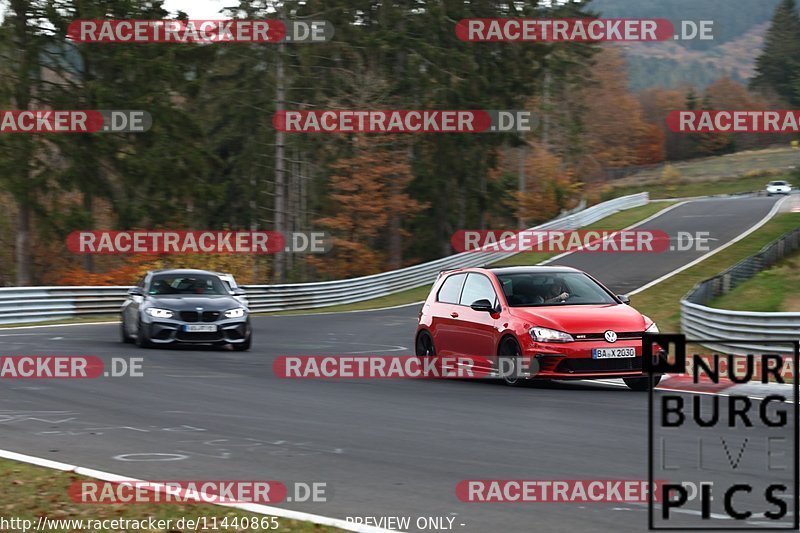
[(194, 316), (210, 316), (568, 366), (189, 316)]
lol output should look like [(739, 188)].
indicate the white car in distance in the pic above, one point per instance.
[(778, 187)]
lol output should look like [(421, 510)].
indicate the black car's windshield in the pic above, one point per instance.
[(165, 284), (552, 288)]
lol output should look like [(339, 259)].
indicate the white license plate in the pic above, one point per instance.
[(613, 353), (198, 328)]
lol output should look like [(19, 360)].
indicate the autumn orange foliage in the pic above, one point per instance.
[(128, 269), (367, 194), (616, 133), (550, 187)]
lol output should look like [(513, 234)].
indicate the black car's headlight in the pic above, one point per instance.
[(239, 312), (155, 312)]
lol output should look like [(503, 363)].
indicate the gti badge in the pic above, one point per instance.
[(610, 336)]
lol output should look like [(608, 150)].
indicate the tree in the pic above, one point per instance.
[(21, 167), (656, 105), (726, 93), (367, 190), (615, 130), (670, 177), (778, 66), (551, 187)]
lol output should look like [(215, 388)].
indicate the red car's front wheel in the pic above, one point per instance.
[(508, 362)]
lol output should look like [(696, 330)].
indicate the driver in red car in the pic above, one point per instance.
[(556, 292)]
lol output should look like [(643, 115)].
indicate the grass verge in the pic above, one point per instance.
[(686, 189), (770, 291), (28, 492), (662, 302), (746, 163)]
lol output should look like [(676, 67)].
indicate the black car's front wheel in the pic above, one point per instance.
[(124, 337), (243, 346), (142, 339), (641, 384)]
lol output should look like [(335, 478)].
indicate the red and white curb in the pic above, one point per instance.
[(754, 390), (684, 383), (796, 204)]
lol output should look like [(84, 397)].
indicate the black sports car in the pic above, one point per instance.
[(185, 306)]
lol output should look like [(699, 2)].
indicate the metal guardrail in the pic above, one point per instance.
[(38, 304), (698, 320)]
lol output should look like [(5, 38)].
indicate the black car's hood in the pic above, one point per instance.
[(190, 302)]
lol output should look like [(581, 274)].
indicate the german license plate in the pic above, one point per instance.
[(613, 353), (200, 328)]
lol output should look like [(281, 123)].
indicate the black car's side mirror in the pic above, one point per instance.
[(624, 299), (136, 291), (483, 305), (239, 292)]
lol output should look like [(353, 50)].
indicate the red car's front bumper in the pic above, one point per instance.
[(574, 360)]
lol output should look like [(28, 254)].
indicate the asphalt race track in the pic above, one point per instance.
[(384, 447), (723, 219)]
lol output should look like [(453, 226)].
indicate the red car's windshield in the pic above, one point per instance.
[(558, 288)]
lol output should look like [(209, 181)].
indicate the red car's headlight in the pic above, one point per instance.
[(652, 328), (550, 335)]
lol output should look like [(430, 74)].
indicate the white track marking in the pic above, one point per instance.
[(635, 225), (702, 258), (248, 507)]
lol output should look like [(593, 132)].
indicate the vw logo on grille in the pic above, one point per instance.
[(611, 336)]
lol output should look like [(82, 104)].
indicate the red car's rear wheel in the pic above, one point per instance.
[(424, 346)]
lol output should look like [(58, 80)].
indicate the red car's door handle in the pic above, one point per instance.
[(454, 315)]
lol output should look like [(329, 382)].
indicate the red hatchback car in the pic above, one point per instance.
[(534, 322)]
